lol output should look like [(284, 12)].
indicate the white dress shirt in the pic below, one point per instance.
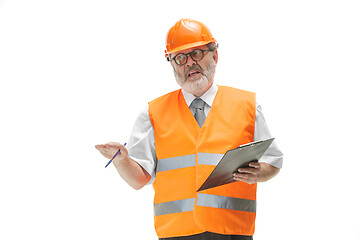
[(141, 145)]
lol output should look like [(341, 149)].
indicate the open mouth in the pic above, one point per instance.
[(193, 73)]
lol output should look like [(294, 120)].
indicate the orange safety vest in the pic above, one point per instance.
[(187, 154)]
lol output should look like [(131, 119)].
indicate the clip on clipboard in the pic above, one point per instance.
[(234, 159)]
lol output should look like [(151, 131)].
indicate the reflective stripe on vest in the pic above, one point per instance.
[(209, 158), (184, 205), (205, 200), (239, 204), (167, 164)]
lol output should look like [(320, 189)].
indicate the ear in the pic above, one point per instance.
[(215, 55)]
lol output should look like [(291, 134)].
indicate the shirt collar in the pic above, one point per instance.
[(208, 96)]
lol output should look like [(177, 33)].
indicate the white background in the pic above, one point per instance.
[(76, 73)]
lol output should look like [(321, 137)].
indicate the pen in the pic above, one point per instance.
[(113, 157)]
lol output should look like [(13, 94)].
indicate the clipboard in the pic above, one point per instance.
[(234, 159)]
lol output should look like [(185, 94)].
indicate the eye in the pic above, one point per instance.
[(196, 54), (180, 59)]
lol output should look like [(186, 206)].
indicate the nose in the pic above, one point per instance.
[(190, 62)]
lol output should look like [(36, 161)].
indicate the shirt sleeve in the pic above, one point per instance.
[(273, 154), (141, 145)]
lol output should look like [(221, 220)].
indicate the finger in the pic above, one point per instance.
[(246, 170), (254, 164), (243, 179), (248, 178), (243, 175)]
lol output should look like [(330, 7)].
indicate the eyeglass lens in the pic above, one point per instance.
[(196, 55)]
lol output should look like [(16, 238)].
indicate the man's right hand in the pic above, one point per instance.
[(108, 150), (128, 169)]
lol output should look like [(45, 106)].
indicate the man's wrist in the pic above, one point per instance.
[(119, 160), (267, 172)]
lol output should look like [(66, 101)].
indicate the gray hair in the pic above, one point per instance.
[(212, 46)]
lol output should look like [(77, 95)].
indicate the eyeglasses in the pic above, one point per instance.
[(196, 55)]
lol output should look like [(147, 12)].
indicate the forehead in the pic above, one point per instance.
[(190, 49)]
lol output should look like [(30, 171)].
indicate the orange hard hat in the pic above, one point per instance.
[(187, 33)]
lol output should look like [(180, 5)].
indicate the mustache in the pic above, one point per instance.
[(194, 67)]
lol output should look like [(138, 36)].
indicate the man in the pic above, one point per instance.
[(178, 140)]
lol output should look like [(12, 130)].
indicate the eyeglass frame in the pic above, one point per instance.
[(189, 53)]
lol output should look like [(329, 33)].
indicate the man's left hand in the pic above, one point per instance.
[(249, 174)]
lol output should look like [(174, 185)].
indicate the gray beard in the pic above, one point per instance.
[(200, 85)]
